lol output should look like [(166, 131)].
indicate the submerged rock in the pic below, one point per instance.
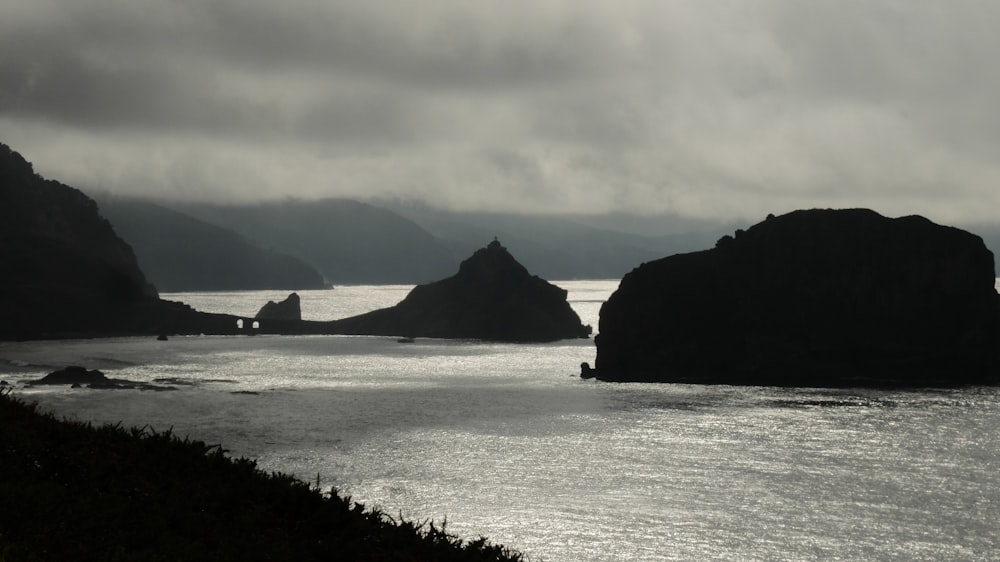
[(288, 309), (77, 377), (74, 374), (492, 297), (811, 298)]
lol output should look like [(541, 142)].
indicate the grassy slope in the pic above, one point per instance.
[(71, 491)]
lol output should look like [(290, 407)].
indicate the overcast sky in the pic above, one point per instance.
[(714, 108)]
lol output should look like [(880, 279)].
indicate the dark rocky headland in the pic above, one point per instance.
[(67, 274), (492, 297), (811, 298)]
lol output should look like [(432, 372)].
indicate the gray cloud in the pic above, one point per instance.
[(726, 109)]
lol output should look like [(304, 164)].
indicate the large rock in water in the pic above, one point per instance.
[(288, 309), (811, 298), (492, 297)]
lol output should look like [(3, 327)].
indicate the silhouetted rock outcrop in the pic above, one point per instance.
[(77, 377), (73, 374), (288, 309), (811, 298), (492, 297)]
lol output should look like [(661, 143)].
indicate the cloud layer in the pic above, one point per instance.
[(730, 108)]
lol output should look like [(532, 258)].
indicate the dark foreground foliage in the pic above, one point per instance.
[(72, 491)]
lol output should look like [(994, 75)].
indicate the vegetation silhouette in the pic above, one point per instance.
[(74, 491)]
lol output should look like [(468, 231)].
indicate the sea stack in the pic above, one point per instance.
[(492, 297), (811, 298), (288, 309)]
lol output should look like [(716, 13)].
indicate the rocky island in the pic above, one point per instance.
[(288, 309), (810, 298), (492, 297)]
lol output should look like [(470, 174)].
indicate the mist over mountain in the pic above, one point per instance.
[(181, 253), (192, 246), (392, 241), (569, 246), (347, 241)]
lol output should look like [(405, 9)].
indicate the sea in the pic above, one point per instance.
[(506, 441)]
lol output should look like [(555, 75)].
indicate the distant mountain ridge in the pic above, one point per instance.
[(347, 241), (178, 252), (568, 246), (354, 242)]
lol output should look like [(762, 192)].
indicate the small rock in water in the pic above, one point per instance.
[(288, 309), (74, 374)]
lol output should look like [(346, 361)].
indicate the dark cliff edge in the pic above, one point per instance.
[(492, 297), (66, 274), (811, 298), (64, 270)]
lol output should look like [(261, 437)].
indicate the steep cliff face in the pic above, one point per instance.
[(64, 270), (811, 298), (492, 297)]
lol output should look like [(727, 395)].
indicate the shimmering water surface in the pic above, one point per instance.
[(508, 442)]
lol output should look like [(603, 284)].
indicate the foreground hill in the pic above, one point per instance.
[(811, 298), (71, 491), (347, 241), (181, 253)]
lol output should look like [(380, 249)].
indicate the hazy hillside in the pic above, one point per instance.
[(347, 241), (568, 247), (180, 253), (389, 242)]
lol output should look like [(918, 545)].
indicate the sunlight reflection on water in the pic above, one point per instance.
[(508, 442)]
